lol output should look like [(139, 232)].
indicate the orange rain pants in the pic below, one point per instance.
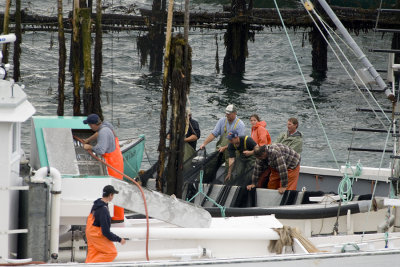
[(275, 179), (100, 248), (116, 160)]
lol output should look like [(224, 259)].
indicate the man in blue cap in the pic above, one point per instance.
[(108, 147), (239, 146)]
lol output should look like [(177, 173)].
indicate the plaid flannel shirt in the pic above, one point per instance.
[(279, 157)]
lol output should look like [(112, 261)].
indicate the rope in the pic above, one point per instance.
[(136, 183), (357, 248), (200, 191), (305, 83), (345, 190)]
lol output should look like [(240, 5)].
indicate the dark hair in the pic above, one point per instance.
[(294, 121), (259, 150), (255, 116)]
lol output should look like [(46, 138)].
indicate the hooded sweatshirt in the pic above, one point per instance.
[(294, 141), (260, 134), (102, 219)]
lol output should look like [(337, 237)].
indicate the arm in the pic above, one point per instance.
[(280, 138), (91, 138), (297, 145), (231, 163), (240, 128), (208, 140), (262, 136), (105, 142), (250, 144), (191, 138), (258, 169), (282, 169), (104, 219)]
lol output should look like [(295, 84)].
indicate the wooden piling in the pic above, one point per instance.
[(319, 54), (180, 69), (98, 62), (75, 52), (17, 43), (235, 39), (6, 30), (164, 103), (86, 25), (152, 44), (62, 59), (178, 97)]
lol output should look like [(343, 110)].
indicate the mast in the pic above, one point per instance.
[(361, 56)]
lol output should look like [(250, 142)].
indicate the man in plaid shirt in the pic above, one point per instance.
[(284, 160)]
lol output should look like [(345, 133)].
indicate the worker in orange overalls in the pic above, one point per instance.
[(108, 147), (284, 161), (99, 237)]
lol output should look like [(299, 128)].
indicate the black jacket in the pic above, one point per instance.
[(102, 219)]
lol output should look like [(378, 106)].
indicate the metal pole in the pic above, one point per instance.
[(361, 56)]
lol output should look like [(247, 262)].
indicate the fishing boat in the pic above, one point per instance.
[(46, 210)]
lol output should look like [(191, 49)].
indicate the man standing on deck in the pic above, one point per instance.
[(283, 160), (223, 127), (108, 147), (292, 137), (99, 237)]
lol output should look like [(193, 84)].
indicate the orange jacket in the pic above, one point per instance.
[(260, 134)]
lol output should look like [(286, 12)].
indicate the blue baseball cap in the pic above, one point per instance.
[(232, 134), (92, 119)]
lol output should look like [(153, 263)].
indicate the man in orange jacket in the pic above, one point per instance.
[(99, 237), (108, 147)]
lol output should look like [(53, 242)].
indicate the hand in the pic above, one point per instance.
[(228, 177), (123, 241), (250, 186), (87, 147), (281, 190), (247, 153), (202, 146), (222, 149), (85, 141)]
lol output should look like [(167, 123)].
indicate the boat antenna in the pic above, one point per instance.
[(347, 60), (357, 49)]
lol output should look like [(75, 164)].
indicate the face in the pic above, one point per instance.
[(291, 127), (231, 116), (235, 141), (94, 127), (253, 121)]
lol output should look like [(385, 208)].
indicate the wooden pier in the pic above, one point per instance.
[(354, 19)]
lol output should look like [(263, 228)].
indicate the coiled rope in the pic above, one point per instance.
[(345, 190)]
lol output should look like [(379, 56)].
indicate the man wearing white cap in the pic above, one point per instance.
[(224, 125)]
